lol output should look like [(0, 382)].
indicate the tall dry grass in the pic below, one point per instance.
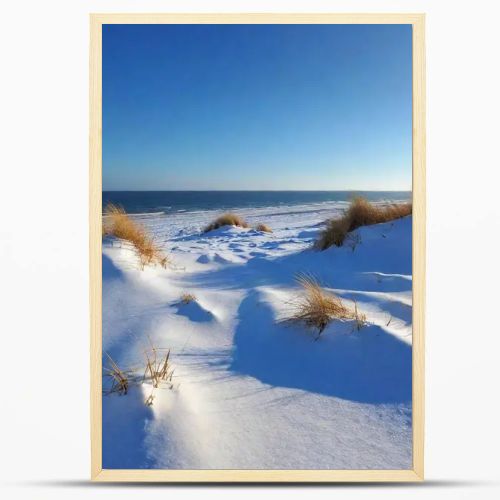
[(227, 219), (317, 307), (263, 228), (360, 213), (120, 379), (158, 371), (119, 224)]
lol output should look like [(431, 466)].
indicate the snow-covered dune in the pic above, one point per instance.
[(251, 391)]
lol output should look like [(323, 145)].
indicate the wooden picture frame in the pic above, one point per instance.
[(419, 248)]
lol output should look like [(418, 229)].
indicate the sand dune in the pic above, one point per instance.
[(250, 391)]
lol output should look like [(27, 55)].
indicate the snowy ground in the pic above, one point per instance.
[(251, 392)]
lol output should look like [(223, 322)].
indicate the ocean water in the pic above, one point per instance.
[(148, 202)]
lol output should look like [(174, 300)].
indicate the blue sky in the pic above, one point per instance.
[(278, 107)]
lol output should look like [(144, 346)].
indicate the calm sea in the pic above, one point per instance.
[(137, 202)]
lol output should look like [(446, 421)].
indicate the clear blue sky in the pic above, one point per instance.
[(279, 107)]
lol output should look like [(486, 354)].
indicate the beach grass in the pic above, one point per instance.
[(317, 307), (119, 224), (227, 219), (186, 298), (359, 318), (158, 371), (360, 213), (263, 228), (158, 367), (120, 379)]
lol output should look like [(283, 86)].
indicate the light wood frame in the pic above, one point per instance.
[(97, 472)]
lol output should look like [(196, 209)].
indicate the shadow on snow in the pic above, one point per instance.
[(124, 421), (369, 366), (194, 312)]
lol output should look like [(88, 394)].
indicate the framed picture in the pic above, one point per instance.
[(257, 247)]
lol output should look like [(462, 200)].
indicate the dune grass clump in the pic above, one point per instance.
[(317, 308), (335, 233), (186, 298), (263, 228), (120, 379), (119, 224), (360, 213), (158, 367), (359, 318), (227, 219), (158, 371)]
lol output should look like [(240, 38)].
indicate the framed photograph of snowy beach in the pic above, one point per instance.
[(257, 247)]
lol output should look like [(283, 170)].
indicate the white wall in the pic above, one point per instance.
[(44, 441)]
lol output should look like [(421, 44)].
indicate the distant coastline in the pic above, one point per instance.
[(179, 201)]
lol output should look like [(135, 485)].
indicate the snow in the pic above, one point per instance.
[(251, 391)]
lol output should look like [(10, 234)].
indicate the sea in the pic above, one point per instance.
[(148, 202)]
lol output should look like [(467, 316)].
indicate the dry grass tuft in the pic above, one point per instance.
[(118, 223), (360, 213), (359, 318), (120, 379), (157, 371), (105, 229), (334, 234), (186, 298), (263, 228), (317, 308), (227, 219)]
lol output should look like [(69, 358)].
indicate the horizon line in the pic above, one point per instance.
[(253, 190)]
